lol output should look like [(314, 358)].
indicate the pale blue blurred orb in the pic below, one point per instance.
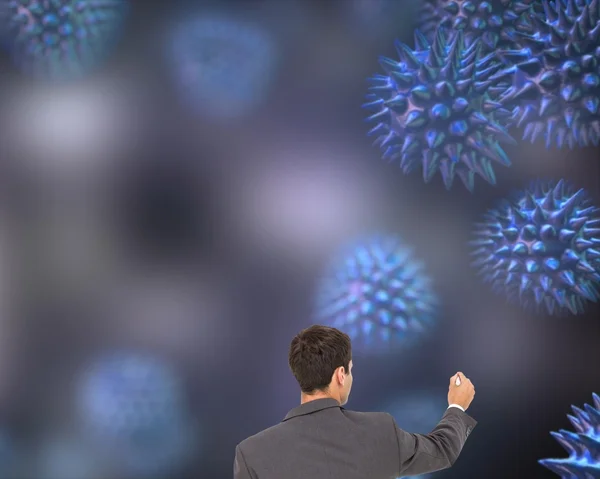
[(376, 292), (222, 67), (133, 407)]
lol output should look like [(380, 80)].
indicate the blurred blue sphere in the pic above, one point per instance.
[(376, 293), (418, 412), (222, 67), (134, 407), (542, 248), (60, 40)]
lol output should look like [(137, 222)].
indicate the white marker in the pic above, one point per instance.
[(457, 382)]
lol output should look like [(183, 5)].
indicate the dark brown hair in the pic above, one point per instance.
[(315, 353)]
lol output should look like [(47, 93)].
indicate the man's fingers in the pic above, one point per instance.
[(459, 378)]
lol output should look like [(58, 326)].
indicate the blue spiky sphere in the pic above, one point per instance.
[(377, 294), (555, 74), (60, 39), (222, 67), (495, 22), (433, 112), (583, 445), (133, 405), (542, 247)]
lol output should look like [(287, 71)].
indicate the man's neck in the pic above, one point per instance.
[(304, 398)]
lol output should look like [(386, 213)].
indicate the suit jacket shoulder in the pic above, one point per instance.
[(322, 439), (265, 435), (378, 421)]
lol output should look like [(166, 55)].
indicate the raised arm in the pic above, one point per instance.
[(424, 453)]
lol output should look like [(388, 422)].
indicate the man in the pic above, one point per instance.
[(321, 440)]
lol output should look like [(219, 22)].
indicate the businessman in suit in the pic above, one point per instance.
[(322, 440)]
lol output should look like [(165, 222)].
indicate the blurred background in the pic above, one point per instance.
[(170, 191)]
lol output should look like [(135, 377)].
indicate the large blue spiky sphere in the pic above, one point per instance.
[(542, 248), (554, 70), (60, 39), (375, 292), (222, 67), (495, 22), (133, 407), (433, 112), (583, 445)]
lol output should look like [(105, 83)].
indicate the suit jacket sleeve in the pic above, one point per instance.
[(424, 453), (240, 468)]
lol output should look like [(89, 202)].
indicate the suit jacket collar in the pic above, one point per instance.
[(312, 406)]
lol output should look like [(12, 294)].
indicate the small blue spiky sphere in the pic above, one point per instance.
[(583, 445), (554, 70), (135, 404), (60, 39), (433, 111), (495, 22), (222, 67), (542, 248), (377, 294)]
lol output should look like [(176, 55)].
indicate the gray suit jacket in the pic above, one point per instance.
[(322, 440)]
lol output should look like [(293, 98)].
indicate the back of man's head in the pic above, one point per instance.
[(315, 354)]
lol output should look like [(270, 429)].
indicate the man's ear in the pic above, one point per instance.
[(341, 374)]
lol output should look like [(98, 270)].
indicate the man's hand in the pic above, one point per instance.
[(461, 391)]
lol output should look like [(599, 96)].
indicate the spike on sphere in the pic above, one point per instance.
[(554, 71), (133, 405), (583, 445), (495, 22), (377, 294), (58, 40), (429, 17), (542, 248), (433, 111)]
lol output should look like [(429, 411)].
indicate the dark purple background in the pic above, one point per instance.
[(235, 220)]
